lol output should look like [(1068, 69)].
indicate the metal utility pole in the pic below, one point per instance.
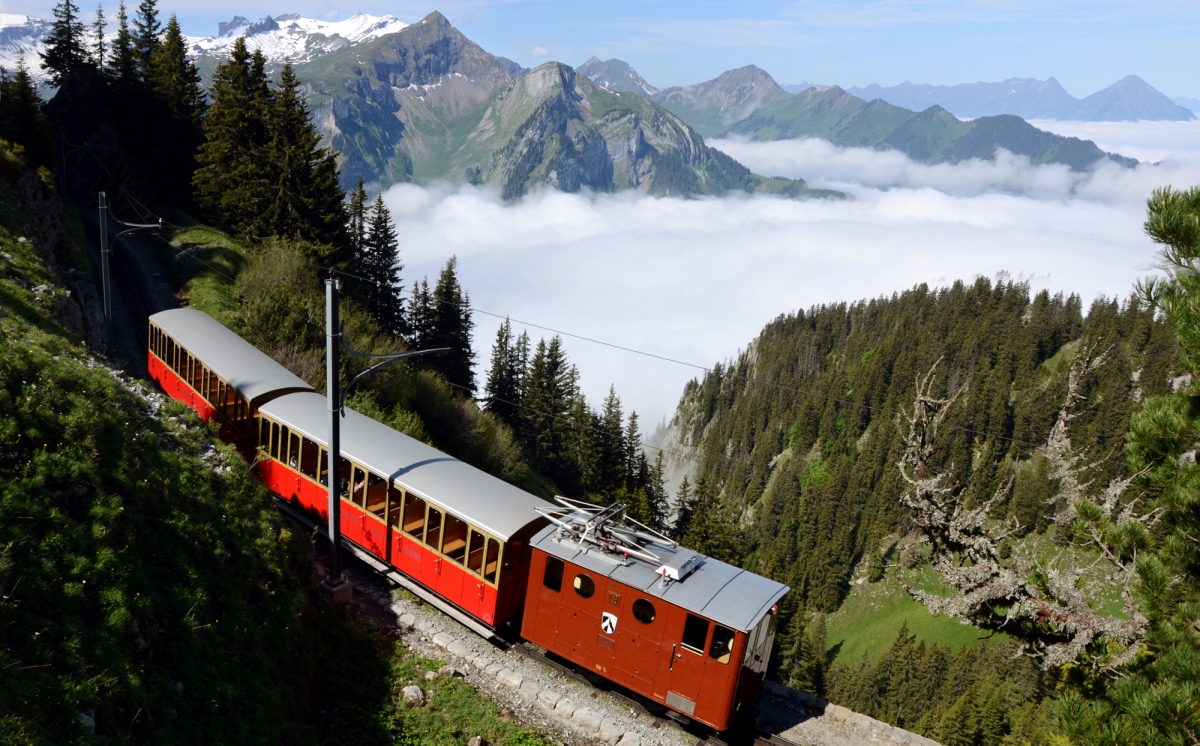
[(334, 584), (104, 270), (105, 250), (338, 588)]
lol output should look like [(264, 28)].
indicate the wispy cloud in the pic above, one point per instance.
[(695, 280)]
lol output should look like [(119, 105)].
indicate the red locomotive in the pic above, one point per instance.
[(627, 603)]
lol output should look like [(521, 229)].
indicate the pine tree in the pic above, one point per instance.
[(610, 447), (657, 500), (685, 509), (66, 52), (179, 104), (99, 47), (146, 39), (305, 201), (420, 316), (502, 393), (548, 392), (230, 182), (379, 265), (637, 470), (122, 61), (452, 327), (356, 213), (22, 120)]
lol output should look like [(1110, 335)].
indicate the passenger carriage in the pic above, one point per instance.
[(458, 531), (686, 630), (198, 361)]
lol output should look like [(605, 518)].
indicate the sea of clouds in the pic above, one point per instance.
[(692, 282)]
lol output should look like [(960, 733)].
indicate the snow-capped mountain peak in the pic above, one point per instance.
[(292, 38)]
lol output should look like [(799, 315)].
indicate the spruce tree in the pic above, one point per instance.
[(451, 327), (657, 499), (502, 392), (379, 265), (122, 60), (66, 51), (548, 392), (230, 183), (22, 120), (420, 316), (356, 213), (179, 104), (99, 46), (610, 447), (685, 509), (305, 202), (146, 38)]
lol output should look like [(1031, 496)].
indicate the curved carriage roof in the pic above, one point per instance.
[(474, 495), (252, 373), (726, 594)]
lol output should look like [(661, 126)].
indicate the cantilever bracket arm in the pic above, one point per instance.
[(388, 359)]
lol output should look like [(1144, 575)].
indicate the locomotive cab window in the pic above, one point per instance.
[(722, 644), (643, 611), (552, 578), (695, 633), (584, 585)]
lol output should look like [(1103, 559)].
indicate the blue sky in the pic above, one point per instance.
[(1086, 44)]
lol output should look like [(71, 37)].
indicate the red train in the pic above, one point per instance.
[(668, 623)]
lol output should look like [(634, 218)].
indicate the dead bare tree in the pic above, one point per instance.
[(1038, 603)]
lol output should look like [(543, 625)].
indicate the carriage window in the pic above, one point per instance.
[(376, 495), (169, 358), (360, 487), (554, 572), (214, 386), (293, 451), (454, 544), (489, 563), (275, 441), (722, 644), (433, 528), (475, 552), (414, 515), (643, 611), (264, 435), (344, 479), (323, 466), (308, 458), (395, 506), (584, 585), (695, 632)]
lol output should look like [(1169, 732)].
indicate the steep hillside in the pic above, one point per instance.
[(428, 104), (798, 435)]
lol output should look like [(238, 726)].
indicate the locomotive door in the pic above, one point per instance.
[(638, 636), (687, 635), (608, 629)]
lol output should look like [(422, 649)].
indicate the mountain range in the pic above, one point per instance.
[(423, 102), (1129, 99)]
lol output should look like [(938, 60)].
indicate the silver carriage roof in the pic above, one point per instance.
[(593, 537), (243, 366), (476, 496)]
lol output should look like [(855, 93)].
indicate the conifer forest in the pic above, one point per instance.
[(1015, 464)]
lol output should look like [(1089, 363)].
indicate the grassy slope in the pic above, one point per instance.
[(146, 580)]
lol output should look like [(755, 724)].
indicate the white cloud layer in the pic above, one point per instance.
[(695, 280)]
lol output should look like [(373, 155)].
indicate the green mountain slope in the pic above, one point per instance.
[(427, 104), (746, 103)]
